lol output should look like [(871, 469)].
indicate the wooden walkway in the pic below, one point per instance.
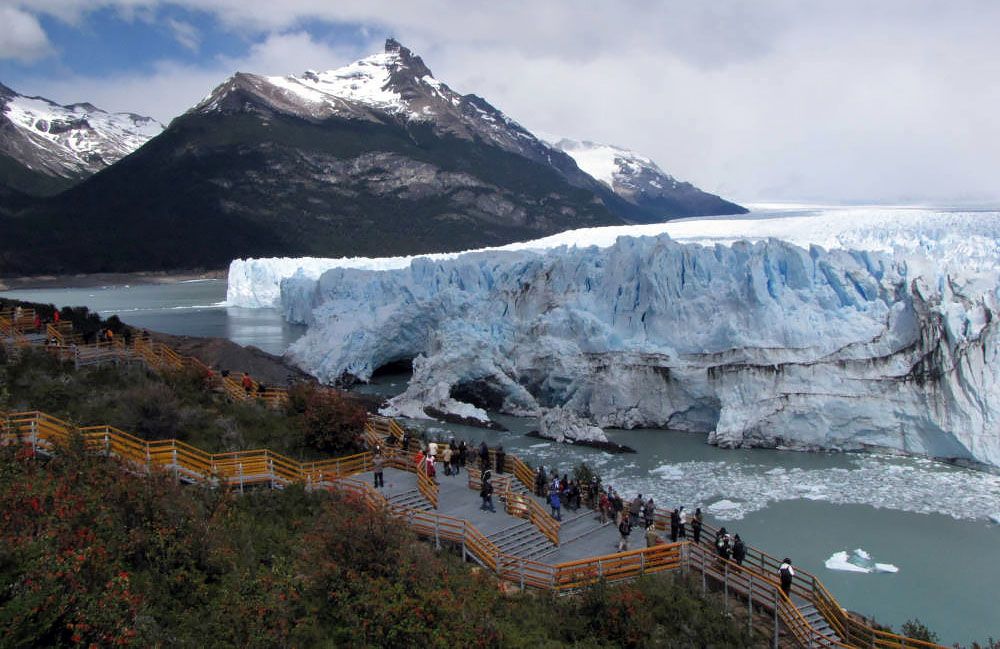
[(521, 543)]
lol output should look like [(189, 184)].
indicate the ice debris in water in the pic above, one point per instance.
[(899, 483), (857, 561)]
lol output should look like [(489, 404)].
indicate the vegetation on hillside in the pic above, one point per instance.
[(93, 555)]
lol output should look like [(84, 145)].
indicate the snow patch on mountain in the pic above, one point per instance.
[(611, 164), (77, 139)]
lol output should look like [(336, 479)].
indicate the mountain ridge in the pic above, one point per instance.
[(375, 158), (46, 147)]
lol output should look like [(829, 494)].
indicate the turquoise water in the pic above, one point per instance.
[(926, 518)]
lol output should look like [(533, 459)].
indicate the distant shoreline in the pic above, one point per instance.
[(106, 279)]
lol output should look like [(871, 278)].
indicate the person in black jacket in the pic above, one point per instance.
[(624, 528), (739, 550), (500, 456), (486, 493), (786, 573), (675, 524), (696, 526)]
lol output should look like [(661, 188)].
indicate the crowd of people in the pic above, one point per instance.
[(562, 491)]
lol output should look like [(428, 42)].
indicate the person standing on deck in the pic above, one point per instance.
[(634, 510), (681, 523), (463, 453), (247, 383), (739, 550), (378, 466), (454, 456), (432, 449), (651, 537), (787, 574), (624, 528), (484, 456), (556, 504), (603, 505), (446, 460), (540, 481), (649, 512), (500, 457), (486, 493), (675, 523), (696, 525)]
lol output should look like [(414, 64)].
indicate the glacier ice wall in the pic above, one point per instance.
[(757, 344)]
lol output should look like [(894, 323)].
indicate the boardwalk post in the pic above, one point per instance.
[(241, 477), (437, 532), (725, 586), (642, 563), (776, 596), (750, 602), (522, 574), (173, 460), (600, 569), (107, 443), (34, 436)]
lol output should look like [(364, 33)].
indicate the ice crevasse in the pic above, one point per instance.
[(757, 344)]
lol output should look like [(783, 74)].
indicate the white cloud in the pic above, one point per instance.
[(185, 33), (21, 37), (832, 99)]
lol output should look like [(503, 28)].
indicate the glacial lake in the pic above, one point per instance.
[(926, 518)]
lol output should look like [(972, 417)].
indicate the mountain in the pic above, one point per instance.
[(376, 158), (46, 148), (642, 183)]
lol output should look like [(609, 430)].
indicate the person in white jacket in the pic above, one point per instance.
[(786, 573)]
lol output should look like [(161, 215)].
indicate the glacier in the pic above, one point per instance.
[(883, 338)]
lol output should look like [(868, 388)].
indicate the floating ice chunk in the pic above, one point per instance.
[(669, 472), (840, 561), (723, 507), (995, 518), (857, 561)]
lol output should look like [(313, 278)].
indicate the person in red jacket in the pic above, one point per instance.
[(247, 383)]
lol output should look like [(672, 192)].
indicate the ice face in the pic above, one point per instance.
[(757, 343)]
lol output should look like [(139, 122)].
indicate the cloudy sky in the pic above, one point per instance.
[(892, 101)]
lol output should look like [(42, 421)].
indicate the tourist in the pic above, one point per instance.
[(454, 456), (649, 513), (556, 504), (651, 537), (486, 493), (431, 469), (484, 455), (405, 444), (418, 459), (500, 457), (681, 523), (573, 495), (675, 524), (540, 481), (593, 492), (603, 505), (618, 506), (635, 508), (786, 573), (446, 460), (739, 550), (696, 523), (378, 465), (432, 449), (723, 544), (247, 383), (463, 453), (624, 528)]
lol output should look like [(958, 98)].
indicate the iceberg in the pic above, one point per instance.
[(753, 340), (857, 561)]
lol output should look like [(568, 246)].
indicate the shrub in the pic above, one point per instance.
[(330, 421)]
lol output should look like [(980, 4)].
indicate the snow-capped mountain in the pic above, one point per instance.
[(376, 158), (394, 84), (640, 181), (55, 146)]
